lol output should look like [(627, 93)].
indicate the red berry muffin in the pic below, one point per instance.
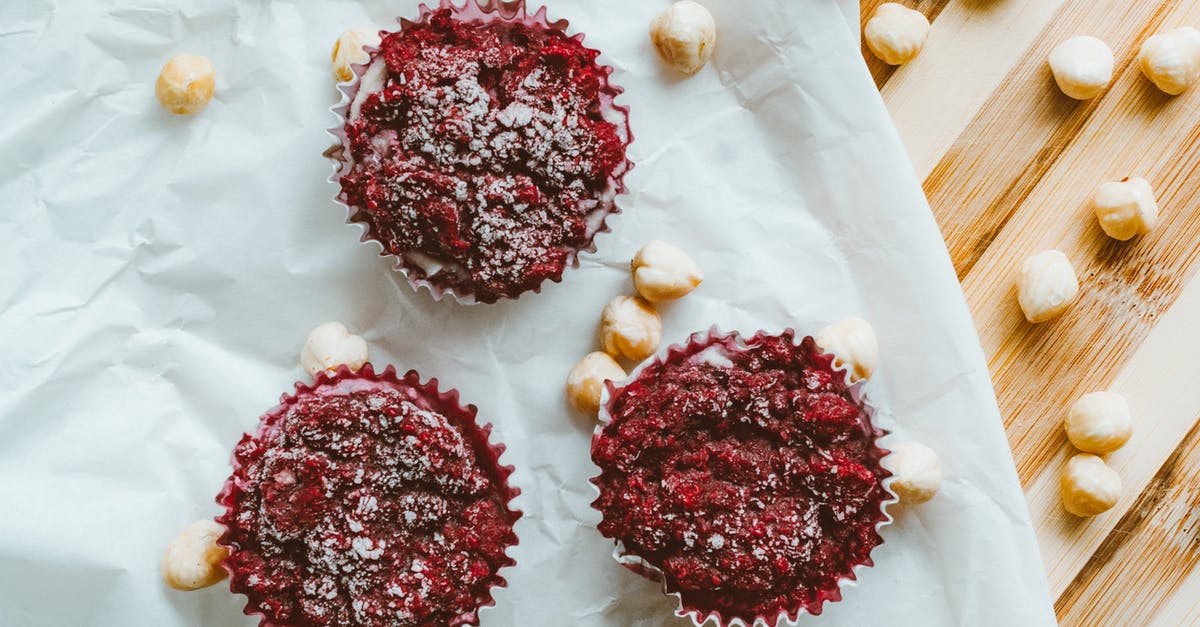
[(742, 473), (367, 500), (482, 148)]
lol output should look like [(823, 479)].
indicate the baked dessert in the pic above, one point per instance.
[(744, 474), (370, 500), (482, 147)]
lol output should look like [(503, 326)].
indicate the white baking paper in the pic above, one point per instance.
[(159, 275)]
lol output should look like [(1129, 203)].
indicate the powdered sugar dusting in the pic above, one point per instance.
[(483, 155), (713, 356)]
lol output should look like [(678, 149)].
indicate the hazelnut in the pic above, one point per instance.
[(586, 380), (1171, 60), (895, 33), (1099, 422), (1082, 66), (348, 50), (185, 84), (662, 272), (1046, 285), (330, 345), (630, 328), (193, 560), (1126, 208), (917, 475), (684, 36), (1089, 486), (853, 344)]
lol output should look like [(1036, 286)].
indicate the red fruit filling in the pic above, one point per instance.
[(367, 502), (483, 157), (746, 473)]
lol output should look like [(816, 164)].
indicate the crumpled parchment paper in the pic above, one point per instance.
[(160, 273)]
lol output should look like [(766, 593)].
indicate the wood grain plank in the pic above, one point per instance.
[(1126, 285), (1039, 370), (1009, 165)]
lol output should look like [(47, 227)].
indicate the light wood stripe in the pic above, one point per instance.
[(1009, 164), (1181, 608), (972, 49)]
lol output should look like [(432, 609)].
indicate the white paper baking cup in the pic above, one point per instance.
[(371, 72), (713, 337)]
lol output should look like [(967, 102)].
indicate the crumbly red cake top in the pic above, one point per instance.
[(746, 473), (481, 153), (367, 501)]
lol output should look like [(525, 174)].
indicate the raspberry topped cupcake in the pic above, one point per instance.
[(482, 148), (367, 500), (744, 474)]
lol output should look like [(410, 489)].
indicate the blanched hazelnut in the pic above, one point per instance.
[(663, 272), (1082, 66), (895, 33), (852, 342), (630, 328), (1099, 422), (1089, 486), (193, 560), (586, 380), (1046, 285), (348, 50), (685, 36), (330, 345), (1171, 60), (185, 84), (1126, 208), (916, 471)]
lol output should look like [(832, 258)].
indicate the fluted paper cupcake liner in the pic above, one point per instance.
[(427, 396), (734, 342), (486, 11)]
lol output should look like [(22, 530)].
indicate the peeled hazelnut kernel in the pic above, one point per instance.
[(1082, 66), (630, 328), (1099, 422), (895, 33), (1046, 286), (193, 560), (1126, 208), (1171, 60), (185, 84), (1089, 486), (348, 50), (330, 345), (685, 36), (662, 272), (586, 380), (853, 344), (918, 475)]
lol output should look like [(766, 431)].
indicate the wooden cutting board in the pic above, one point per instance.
[(1009, 164)]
